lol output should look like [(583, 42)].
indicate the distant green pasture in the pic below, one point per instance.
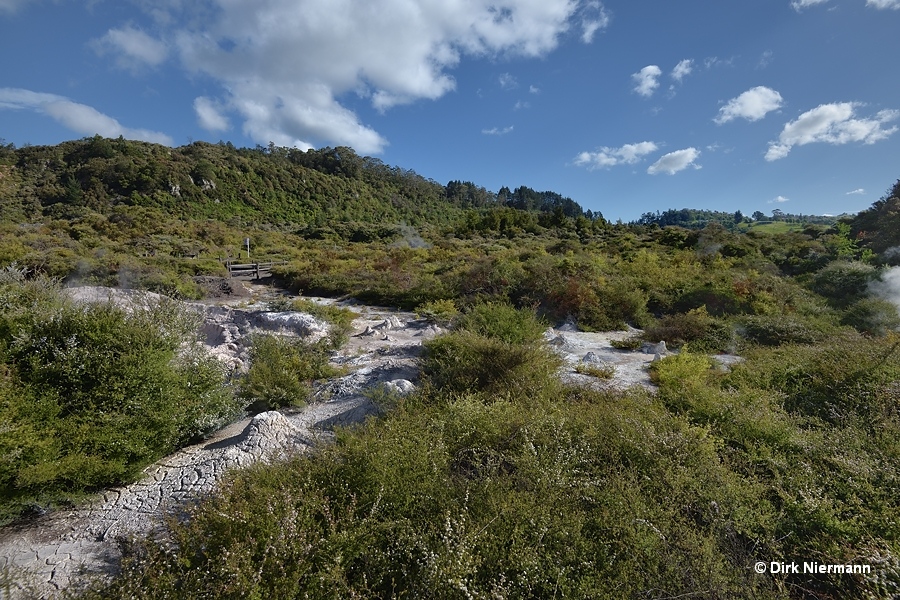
[(771, 226)]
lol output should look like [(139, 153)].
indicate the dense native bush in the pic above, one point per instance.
[(90, 394)]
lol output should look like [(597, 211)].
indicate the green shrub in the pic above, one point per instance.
[(610, 497), (718, 300), (504, 323), (872, 315), (463, 361), (682, 372), (697, 327), (843, 282), (632, 342), (438, 311), (340, 319), (90, 394), (775, 330), (282, 370), (849, 380)]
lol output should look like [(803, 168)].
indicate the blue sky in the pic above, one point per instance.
[(624, 106)]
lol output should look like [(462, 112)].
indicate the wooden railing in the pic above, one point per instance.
[(252, 270)]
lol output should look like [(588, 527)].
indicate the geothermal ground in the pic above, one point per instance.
[(63, 549)]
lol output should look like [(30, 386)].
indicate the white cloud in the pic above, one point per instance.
[(534, 90), (779, 200), (799, 5), (831, 124), (593, 18), (682, 69), (714, 61), (79, 118), (11, 6), (286, 64), (856, 192), (605, 157), (881, 4), (508, 82), (673, 162), (209, 115), (646, 80), (520, 105), (497, 131), (765, 60), (132, 48), (752, 105)]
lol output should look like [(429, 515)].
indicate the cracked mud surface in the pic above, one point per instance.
[(62, 549)]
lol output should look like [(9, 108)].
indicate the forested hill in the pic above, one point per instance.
[(273, 185)]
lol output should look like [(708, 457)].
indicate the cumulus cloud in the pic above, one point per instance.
[(497, 131), (80, 118), (752, 105), (799, 5), (779, 200), (646, 80), (673, 162), (534, 90), (682, 69), (210, 115), (287, 65), (881, 4), (856, 192), (132, 48), (605, 157), (832, 124)]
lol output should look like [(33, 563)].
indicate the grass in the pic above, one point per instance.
[(598, 371), (771, 227), (630, 343)]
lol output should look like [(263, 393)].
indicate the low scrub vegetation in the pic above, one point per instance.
[(282, 370), (568, 492), (495, 350), (493, 480), (92, 393)]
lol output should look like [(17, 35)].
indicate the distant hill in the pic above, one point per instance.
[(270, 185)]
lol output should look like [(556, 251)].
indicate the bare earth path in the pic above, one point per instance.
[(60, 550)]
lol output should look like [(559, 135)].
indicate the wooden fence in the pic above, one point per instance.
[(252, 270)]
